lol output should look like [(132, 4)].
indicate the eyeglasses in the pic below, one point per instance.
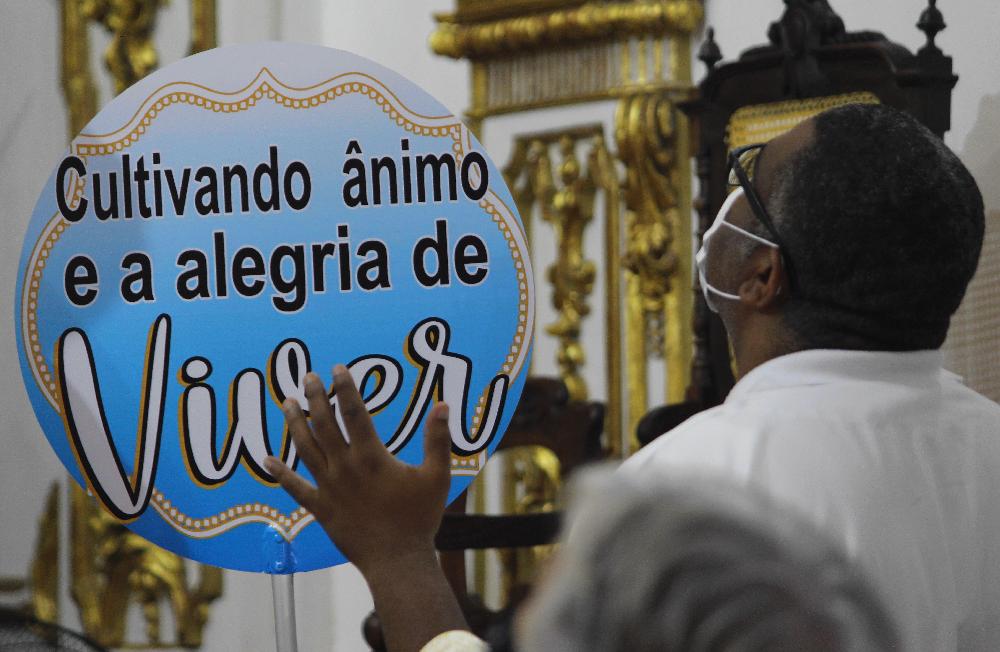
[(742, 169)]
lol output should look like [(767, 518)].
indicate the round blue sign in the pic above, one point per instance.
[(228, 224)]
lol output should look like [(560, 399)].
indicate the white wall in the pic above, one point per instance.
[(32, 136)]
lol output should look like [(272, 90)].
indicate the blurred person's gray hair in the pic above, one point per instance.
[(696, 565)]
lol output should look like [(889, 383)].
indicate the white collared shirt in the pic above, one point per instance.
[(889, 454)]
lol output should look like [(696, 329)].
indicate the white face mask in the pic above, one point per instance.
[(701, 258)]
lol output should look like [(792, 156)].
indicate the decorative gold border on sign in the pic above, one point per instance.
[(206, 527), (266, 86), (41, 370)]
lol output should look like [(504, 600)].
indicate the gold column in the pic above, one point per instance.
[(679, 305), (479, 89), (658, 252), (603, 166)]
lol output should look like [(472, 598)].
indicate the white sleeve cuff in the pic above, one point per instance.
[(456, 641)]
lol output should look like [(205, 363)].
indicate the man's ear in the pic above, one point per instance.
[(765, 285)]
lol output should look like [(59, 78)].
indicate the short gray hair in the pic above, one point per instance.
[(698, 566)]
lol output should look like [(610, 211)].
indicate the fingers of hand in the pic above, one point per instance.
[(302, 435), (437, 441), (297, 486), (356, 417), (325, 428)]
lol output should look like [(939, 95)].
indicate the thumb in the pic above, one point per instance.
[(437, 441)]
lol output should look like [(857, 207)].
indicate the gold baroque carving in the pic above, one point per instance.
[(644, 130), (482, 10), (590, 22), (43, 581), (531, 54), (530, 160), (759, 123), (203, 26), (572, 276), (111, 567), (545, 174), (565, 200), (45, 566), (77, 79), (131, 55), (532, 482)]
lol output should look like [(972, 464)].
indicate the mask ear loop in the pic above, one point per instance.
[(752, 236)]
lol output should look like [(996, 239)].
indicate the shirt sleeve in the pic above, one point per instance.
[(456, 641)]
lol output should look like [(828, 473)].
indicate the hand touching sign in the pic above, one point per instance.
[(382, 513)]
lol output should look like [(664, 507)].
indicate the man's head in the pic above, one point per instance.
[(880, 225), (697, 565)]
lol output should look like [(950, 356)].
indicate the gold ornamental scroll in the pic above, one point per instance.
[(111, 567)]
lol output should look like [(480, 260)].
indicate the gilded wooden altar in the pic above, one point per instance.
[(527, 55), (621, 174)]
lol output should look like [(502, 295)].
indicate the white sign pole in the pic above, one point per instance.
[(283, 591)]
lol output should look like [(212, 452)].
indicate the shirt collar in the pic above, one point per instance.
[(824, 366)]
